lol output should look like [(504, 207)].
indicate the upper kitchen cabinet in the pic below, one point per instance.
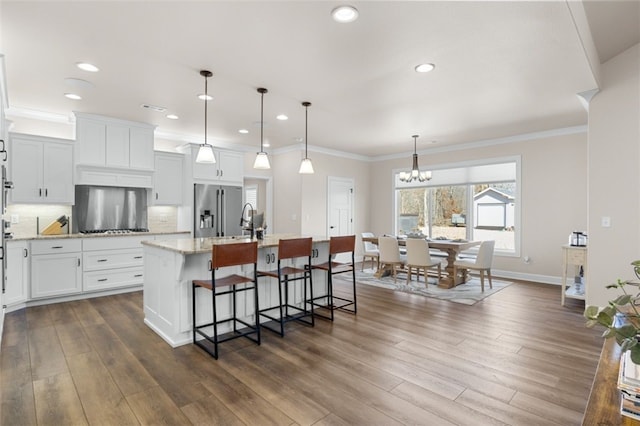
[(167, 179), (228, 168), (41, 169), (110, 151)]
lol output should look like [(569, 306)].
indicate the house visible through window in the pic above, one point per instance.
[(474, 202)]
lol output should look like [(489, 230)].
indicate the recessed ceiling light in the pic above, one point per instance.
[(73, 96), (243, 131), (282, 117), (344, 14), (172, 117), (424, 67), (86, 66), (204, 97)]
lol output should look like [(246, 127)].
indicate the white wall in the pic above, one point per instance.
[(614, 176)]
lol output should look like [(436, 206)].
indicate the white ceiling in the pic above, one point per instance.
[(502, 68)]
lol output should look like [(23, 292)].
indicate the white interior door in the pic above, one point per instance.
[(340, 206)]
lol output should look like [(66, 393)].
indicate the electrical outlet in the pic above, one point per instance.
[(606, 221), (15, 218), (526, 259)]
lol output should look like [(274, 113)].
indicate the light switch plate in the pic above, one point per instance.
[(606, 221)]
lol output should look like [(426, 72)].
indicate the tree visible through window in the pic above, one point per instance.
[(472, 210)]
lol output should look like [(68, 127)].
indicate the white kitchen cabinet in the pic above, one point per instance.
[(167, 179), (91, 142), (117, 146), (141, 148), (56, 267), (17, 273), (228, 168), (41, 170), (113, 143), (112, 262)]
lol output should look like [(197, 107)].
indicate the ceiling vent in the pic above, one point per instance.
[(153, 107)]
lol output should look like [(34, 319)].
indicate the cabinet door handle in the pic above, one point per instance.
[(102, 260), (46, 192), (56, 247), (39, 192), (268, 259), (273, 257), (156, 195), (102, 280), (221, 172), (137, 275), (137, 257), (210, 266), (78, 261), (26, 252)]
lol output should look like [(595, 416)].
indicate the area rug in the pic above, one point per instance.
[(467, 294)]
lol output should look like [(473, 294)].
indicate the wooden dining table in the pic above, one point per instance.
[(452, 248)]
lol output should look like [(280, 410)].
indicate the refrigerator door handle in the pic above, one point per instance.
[(223, 219)]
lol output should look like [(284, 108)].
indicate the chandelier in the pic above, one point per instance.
[(415, 173)]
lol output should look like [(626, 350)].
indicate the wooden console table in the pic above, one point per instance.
[(603, 407)]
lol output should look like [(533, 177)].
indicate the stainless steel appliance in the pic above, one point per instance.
[(217, 210), (101, 209), (4, 235)]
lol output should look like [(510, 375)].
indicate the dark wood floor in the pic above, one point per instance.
[(516, 358)]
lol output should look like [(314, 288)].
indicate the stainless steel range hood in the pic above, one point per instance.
[(105, 207)]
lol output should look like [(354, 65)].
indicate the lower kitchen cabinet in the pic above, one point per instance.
[(111, 263), (17, 274), (56, 274)]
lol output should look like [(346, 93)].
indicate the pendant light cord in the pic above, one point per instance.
[(206, 94), (261, 121), (306, 111)]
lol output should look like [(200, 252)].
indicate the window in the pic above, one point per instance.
[(251, 197), (474, 202)]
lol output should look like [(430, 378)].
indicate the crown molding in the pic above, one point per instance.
[(35, 114), (491, 142), (185, 138)]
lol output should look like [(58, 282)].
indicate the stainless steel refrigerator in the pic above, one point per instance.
[(217, 210)]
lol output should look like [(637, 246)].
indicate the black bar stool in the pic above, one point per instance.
[(290, 249), (221, 256), (337, 245)]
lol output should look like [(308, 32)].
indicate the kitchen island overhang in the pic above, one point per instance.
[(171, 265)]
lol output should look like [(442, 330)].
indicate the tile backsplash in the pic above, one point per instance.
[(159, 218)]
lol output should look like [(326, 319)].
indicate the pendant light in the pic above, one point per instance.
[(415, 173), (205, 153), (262, 161), (306, 168)]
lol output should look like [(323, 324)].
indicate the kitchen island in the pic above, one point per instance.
[(170, 266)]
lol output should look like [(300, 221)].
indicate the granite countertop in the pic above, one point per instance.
[(130, 234), (203, 245)]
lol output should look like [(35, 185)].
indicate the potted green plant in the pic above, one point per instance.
[(620, 318)]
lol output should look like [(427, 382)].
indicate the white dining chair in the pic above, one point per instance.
[(390, 255), (482, 262), (418, 257), (370, 251)]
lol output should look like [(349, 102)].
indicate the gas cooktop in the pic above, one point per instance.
[(114, 231)]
